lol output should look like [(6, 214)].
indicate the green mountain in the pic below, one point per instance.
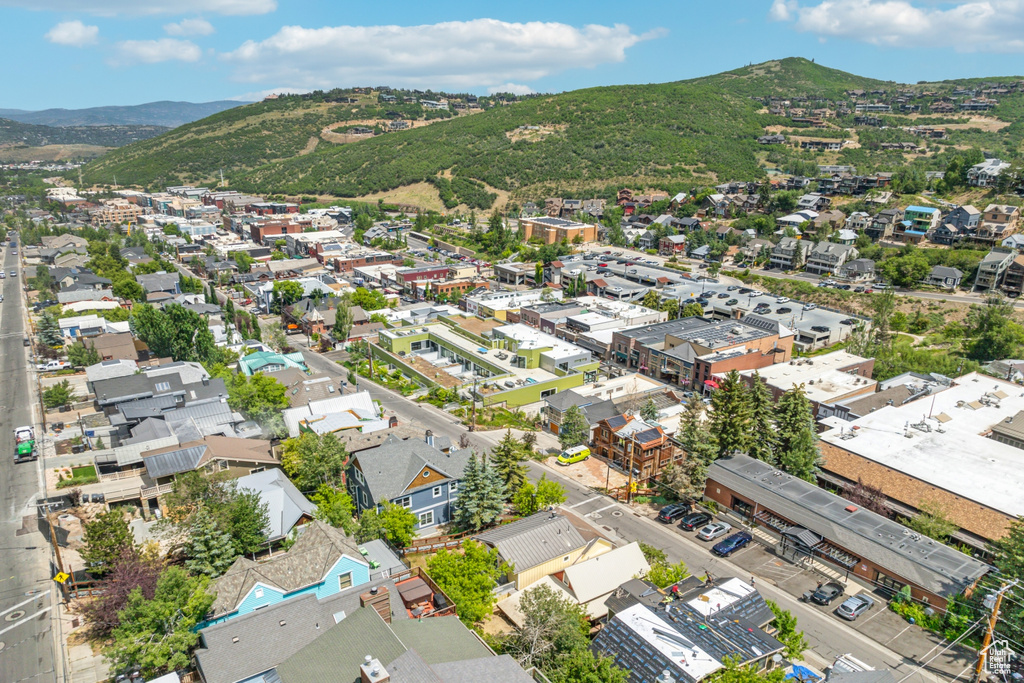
[(15, 133), (666, 136)]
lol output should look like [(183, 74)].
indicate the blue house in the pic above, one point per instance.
[(965, 217), (323, 561), (421, 476)]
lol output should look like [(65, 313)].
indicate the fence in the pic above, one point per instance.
[(435, 543)]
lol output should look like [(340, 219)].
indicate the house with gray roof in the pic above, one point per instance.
[(828, 257), (542, 544), (420, 476), (286, 506), (212, 454), (790, 253), (858, 270), (945, 277), (169, 283)]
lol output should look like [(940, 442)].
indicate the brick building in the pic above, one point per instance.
[(632, 443)]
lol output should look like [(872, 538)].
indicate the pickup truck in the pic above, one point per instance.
[(53, 365), (24, 444)]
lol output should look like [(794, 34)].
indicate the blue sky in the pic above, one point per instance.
[(81, 53)]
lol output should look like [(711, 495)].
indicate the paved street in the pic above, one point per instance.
[(26, 640)]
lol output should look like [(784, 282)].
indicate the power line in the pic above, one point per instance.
[(925, 663)]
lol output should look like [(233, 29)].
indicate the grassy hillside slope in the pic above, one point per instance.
[(663, 135)]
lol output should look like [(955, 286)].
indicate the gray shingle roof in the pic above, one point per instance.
[(501, 669), (534, 540), (391, 467), (285, 504)]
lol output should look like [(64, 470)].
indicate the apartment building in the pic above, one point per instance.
[(554, 230)]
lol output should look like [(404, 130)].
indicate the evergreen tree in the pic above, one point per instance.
[(508, 457), (106, 539), (798, 448), (256, 332), (649, 410), (209, 550), (696, 435), (48, 331), (762, 423), (730, 416), (481, 496)]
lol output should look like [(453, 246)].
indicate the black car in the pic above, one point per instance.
[(724, 295), (745, 290), (732, 288), (827, 592), (820, 328), (848, 321), (694, 520), (703, 302), (784, 309), (671, 513)]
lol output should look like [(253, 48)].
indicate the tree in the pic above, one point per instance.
[(60, 394), (286, 293), (105, 540), (868, 497), (538, 274), (82, 356), (508, 458), (174, 331), (132, 570), (342, 319), (651, 299), (334, 506), (481, 496), (762, 423), (552, 627), (529, 499), (256, 332), (932, 521), (798, 448), (574, 429), (653, 554), (683, 480), (243, 260), (390, 521), (733, 672), (1010, 550), (209, 550), (663, 574), (369, 300), (786, 633), (693, 310), (248, 521), (730, 415), (695, 434), (276, 337), (468, 578), (992, 333), (583, 666), (48, 331), (158, 635), (906, 270), (259, 398), (312, 460)]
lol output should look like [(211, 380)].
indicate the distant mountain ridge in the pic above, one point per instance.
[(166, 114)]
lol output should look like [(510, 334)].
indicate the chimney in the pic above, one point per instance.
[(429, 437), (372, 671)]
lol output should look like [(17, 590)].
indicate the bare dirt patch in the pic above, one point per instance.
[(310, 145), (534, 133)]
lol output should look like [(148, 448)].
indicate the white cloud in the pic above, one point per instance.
[(73, 33), (514, 88), (189, 27), (153, 51), (973, 26), (454, 55), (111, 8)]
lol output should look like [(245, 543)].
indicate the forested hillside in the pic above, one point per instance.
[(670, 135)]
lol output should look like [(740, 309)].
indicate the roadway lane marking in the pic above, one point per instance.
[(24, 602), (885, 643), (28, 618), (594, 512), (584, 502)]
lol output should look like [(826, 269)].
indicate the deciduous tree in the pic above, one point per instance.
[(334, 506), (311, 460), (391, 521), (932, 521), (468, 578)]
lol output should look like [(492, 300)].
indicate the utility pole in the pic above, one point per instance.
[(997, 600), (472, 422)]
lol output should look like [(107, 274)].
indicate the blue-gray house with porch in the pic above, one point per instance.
[(421, 476)]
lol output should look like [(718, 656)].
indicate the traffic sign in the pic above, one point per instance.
[(61, 577)]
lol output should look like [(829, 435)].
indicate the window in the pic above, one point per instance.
[(258, 593), (416, 346), (365, 502), (359, 476), (405, 502), (426, 473), (565, 559), (256, 469), (163, 386), (427, 518), (887, 582), (437, 492), (344, 580), (454, 486)]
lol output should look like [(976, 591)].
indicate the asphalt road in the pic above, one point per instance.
[(26, 639)]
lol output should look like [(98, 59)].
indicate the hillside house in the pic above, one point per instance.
[(828, 257), (790, 253)]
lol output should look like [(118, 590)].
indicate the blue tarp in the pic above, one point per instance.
[(802, 673)]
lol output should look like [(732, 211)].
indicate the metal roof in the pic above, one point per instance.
[(174, 462), (534, 540), (929, 564)]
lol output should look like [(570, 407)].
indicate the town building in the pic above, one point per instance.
[(633, 444), (828, 378), (555, 230)]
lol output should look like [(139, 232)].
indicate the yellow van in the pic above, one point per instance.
[(574, 454)]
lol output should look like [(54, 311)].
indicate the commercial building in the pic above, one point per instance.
[(633, 444), (812, 524), (555, 230), (951, 448), (500, 304), (829, 378)]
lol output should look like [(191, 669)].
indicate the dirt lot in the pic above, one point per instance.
[(592, 472)]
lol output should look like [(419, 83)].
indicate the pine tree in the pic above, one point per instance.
[(762, 423), (574, 429), (481, 495), (48, 331), (730, 416), (210, 551), (508, 457), (798, 448), (696, 436), (649, 410)]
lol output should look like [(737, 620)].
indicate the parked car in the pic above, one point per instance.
[(855, 605), (810, 307), (784, 309), (782, 300), (671, 513), (848, 321), (732, 288), (754, 294), (731, 544), (714, 530), (827, 592), (732, 302), (694, 520), (53, 365), (820, 328), (724, 295), (745, 290), (708, 294)]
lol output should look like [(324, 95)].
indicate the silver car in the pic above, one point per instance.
[(854, 606), (714, 530)]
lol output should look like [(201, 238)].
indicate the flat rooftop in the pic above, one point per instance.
[(478, 326), (932, 565), (529, 338), (822, 377), (942, 439)]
